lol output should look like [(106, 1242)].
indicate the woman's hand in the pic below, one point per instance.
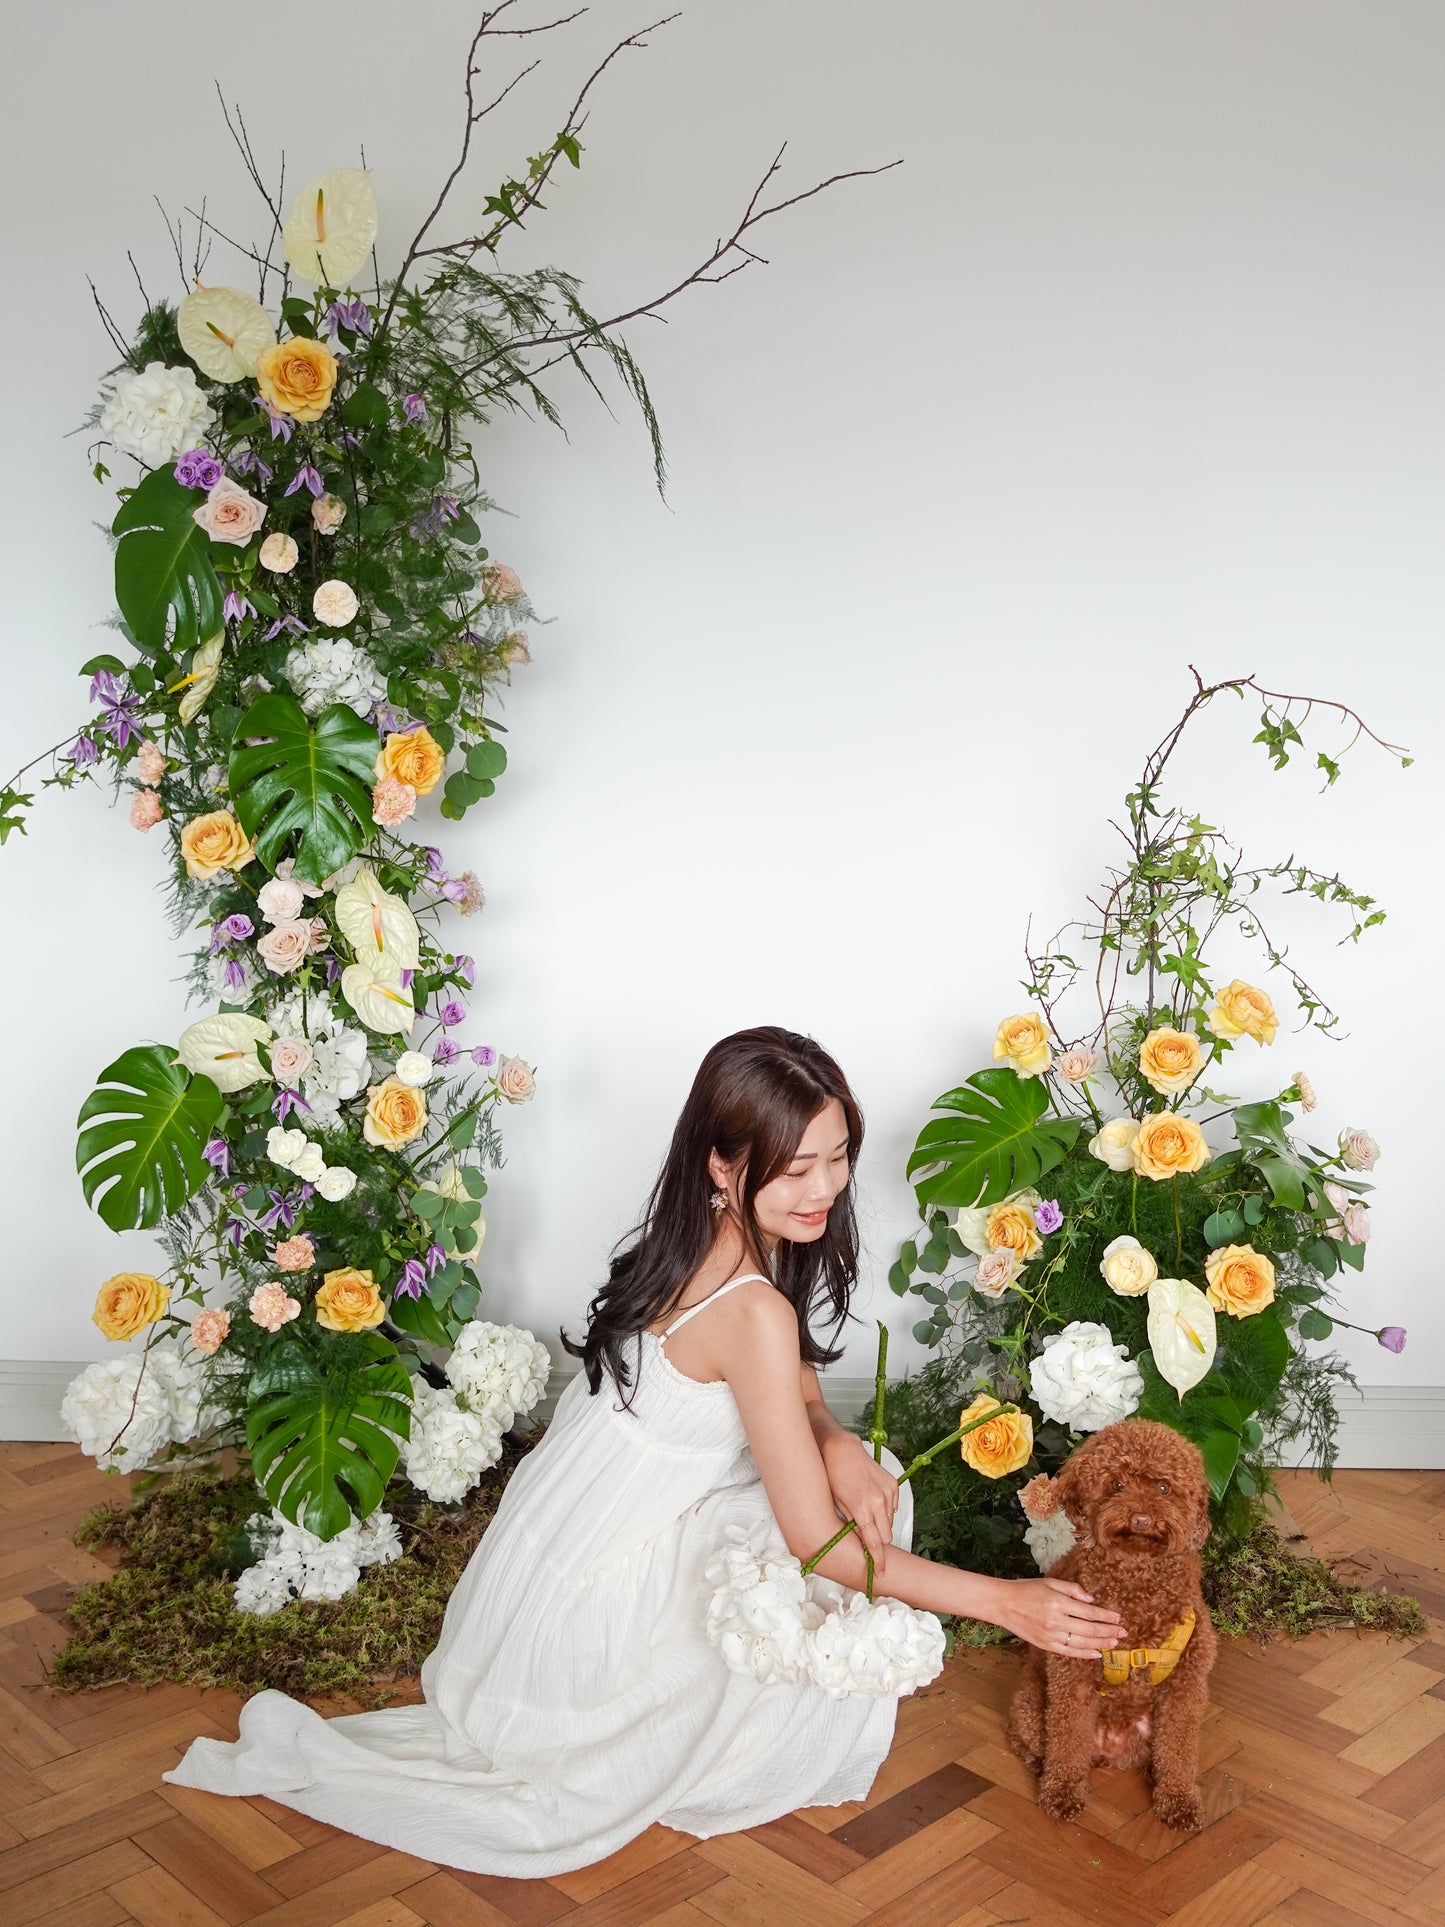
[(863, 1491), (1060, 1617)]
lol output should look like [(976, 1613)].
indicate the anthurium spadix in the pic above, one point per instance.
[(1181, 1332), (331, 226), (377, 924), (374, 991)]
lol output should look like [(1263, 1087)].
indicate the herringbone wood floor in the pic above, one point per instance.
[(1323, 1766)]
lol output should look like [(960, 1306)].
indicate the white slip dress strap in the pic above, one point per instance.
[(748, 1278)]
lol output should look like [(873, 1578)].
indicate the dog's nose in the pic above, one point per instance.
[(1141, 1522)]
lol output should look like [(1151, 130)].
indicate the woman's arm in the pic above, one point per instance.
[(759, 1357), (863, 1490)]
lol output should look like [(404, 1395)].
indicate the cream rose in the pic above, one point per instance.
[(995, 1272), (229, 514), (1240, 1010), (1167, 1144), (328, 512), (285, 946), (291, 1058), (1241, 1280), (334, 604), (395, 1114), (1075, 1065), (279, 553), (1170, 1060), (1113, 1144), (215, 842), (1128, 1268), (516, 1080), (280, 900), (1023, 1043), (1359, 1150)]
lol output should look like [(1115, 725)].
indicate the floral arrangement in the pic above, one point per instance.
[(1106, 1233), (312, 641)]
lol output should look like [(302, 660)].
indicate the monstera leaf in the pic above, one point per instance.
[(311, 781), (163, 566), (997, 1142), (143, 1130), (325, 1433)]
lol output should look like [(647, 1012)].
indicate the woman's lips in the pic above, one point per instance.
[(810, 1217)]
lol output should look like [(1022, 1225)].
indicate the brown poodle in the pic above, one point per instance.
[(1138, 1499)]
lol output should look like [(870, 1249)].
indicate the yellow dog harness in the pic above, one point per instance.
[(1122, 1663)]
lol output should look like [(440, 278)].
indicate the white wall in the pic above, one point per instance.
[(1136, 362)]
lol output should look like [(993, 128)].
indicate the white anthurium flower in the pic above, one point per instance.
[(331, 226), (201, 679), (377, 924), (223, 331), (374, 992), (1181, 1332), (223, 1048)]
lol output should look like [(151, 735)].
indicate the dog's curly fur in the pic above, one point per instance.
[(1138, 1498)]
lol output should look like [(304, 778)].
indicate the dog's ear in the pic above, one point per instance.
[(1073, 1492)]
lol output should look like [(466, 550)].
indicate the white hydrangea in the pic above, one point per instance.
[(323, 672), (296, 1564), (1049, 1539), (778, 1628), (1083, 1380), (165, 1387), (339, 1068), (450, 1447), (156, 412), (182, 1376), (310, 1017), (500, 1370)]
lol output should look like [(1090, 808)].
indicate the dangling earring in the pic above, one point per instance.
[(719, 1203)]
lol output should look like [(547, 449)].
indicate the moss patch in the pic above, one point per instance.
[(167, 1613), (1258, 1586)]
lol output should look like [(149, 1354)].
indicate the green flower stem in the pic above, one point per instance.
[(1178, 1233), (878, 1436), (924, 1458), (1134, 1205)]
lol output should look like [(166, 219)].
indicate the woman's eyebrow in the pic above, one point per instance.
[(806, 1157)]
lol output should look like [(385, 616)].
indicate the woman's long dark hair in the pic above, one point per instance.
[(754, 1096)]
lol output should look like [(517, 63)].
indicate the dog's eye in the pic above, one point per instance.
[(1118, 1485), (1163, 1485)]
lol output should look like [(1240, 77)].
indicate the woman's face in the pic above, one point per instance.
[(795, 1205)]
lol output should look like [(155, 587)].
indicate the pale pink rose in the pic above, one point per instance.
[(279, 553), (285, 870), (279, 900), (1359, 1150), (272, 1306), (392, 801), (1338, 1196), (1075, 1065), (501, 583), (294, 1254), (996, 1272), (334, 604), (473, 897), (285, 946), (150, 765), (515, 1081), (1307, 1098), (145, 810), (328, 512), (1357, 1223), (208, 1330), (514, 651), (320, 935), (290, 1060), (229, 514)]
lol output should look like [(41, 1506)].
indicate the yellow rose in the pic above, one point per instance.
[(1004, 1444), (1167, 1144), (128, 1303), (214, 842), (395, 1114), (1170, 1060), (1129, 1269), (348, 1301), (1011, 1227), (416, 758), (1241, 1280), (297, 377), (1242, 1011), (1024, 1043)]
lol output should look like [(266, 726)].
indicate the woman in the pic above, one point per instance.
[(573, 1698)]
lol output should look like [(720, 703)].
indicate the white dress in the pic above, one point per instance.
[(574, 1697)]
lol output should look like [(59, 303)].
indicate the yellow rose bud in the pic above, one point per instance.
[(348, 1301), (1242, 1011), (128, 1303), (1004, 1444), (1023, 1042), (1241, 1280), (1167, 1144), (416, 758), (395, 1114), (297, 377), (1170, 1060), (1011, 1227), (215, 842)]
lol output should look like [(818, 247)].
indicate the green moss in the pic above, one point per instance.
[(1257, 1585), (167, 1613)]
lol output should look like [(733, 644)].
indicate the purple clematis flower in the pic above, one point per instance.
[(485, 1057), (235, 1231), (433, 859), (292, 626), (452, 1013), (198, 468), (407, 978), (118, 719), (466, 969), (445, 1051), (248, 462), (83, 752), (282, 426), (282, 1211), (218, 1155), (306, 477), (354, 316), (413, 1277), (287, 1101), (1047, 1216), (102, 683), (237, 607), (436, 1257), (414, 408), (234, 974), (1392, 1337), (333, 971)]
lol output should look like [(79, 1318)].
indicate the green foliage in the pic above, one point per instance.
[(997, 1141), (142, 1132), (307, 782), (325, 1423), (164, 579)]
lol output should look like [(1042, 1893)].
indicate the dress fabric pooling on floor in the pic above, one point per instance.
[(574, 1697)]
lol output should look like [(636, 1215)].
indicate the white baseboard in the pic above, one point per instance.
[(1384, 1426)]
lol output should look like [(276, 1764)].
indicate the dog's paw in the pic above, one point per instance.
[(1063, 1799), (1021, 1750), (1180, 1808)]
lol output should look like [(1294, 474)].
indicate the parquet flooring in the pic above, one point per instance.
[(1323, 1768)]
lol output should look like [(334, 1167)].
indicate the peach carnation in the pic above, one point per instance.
[(294, 1254), (271, 1306), (392, 801), (145, 810), (150, 765), (208, 1331)]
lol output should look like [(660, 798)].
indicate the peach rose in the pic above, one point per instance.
[(334, 604), (1241, 1280), (208, 1331), (1242, 1011), (1011, 1227), (150, 765), (1024, 1043), (1358, 1150), (415, 757), (1167, 1144), (999, 1446), (145, 810), (128, 1303), (995, 1272), (279, 553), (1170, 1060), (229, 514), (328, 512), (500, 583), (297, 377), (1075, 1065), (271, 1306), (348, 1301), (294, 1254), (215, 842), (291, 1058), (392, 802), (516, 1080), (285, 946), (395, 1114)]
